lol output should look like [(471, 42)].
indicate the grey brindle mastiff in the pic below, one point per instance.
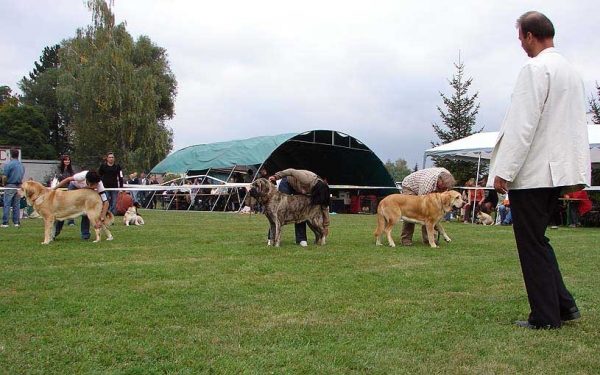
[(283, 209)]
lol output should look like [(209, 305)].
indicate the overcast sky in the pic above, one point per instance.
[(371, 69)]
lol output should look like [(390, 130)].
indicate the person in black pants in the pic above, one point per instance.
[(542, 152)]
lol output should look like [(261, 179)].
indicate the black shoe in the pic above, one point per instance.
[(526, 324), (571, 314)]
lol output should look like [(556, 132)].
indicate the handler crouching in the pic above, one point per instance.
[(300, 181)]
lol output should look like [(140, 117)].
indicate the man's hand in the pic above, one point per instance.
[(501, 185), (273, 178)]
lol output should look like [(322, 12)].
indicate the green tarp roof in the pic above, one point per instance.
[(338, 157), (250, 151)]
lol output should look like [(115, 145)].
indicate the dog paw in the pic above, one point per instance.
[(96, 241), (392, 245), (110, 238)]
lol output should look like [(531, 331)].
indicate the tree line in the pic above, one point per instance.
[(96, 92)]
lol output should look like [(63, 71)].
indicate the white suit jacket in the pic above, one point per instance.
[(543, 141)]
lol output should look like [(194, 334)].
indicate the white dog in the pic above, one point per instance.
[(131, 217), (485, 219)]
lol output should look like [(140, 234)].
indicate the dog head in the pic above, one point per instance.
[(451, 200), (131, 211), (32, 190), (262, 189)]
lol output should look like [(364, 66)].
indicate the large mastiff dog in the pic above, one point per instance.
[(283, 209), (426, 209), (55, 205)]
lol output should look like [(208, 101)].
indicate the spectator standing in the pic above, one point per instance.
[(134, 180), (425, 181), (542, 152), (12, 177), (65, 169), (111, 175), (578, 208), (143, 194), (152, 194)]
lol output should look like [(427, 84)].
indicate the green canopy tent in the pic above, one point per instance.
[(341, 159)]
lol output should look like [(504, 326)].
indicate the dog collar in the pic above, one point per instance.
[(38, 197)]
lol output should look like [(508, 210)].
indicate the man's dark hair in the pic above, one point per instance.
[(14, 153), (93, 177), (537, 24)]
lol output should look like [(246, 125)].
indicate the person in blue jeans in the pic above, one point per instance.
[(12, 178), (81, 180)]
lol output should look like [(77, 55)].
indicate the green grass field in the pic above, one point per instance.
[(201, 293)]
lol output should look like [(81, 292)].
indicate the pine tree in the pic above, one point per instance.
[(458, 123)]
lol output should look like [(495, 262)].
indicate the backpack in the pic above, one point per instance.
[(124, 201)]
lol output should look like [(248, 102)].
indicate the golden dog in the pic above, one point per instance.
[(428, 210), (132, 217), (55, 205)]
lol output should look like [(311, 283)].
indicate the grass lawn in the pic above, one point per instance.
[(201, 293)]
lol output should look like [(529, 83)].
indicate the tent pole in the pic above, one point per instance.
[(476, 185)]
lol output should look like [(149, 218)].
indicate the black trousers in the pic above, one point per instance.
[(548, 296)]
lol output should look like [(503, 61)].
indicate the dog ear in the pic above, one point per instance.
[(446, 200)]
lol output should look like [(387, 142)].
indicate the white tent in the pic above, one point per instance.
[(479, 147)]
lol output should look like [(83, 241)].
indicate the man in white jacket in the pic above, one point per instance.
[(542, 152)]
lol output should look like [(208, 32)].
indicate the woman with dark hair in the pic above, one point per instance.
[(65, 169)]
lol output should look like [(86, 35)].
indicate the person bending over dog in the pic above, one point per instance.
[(301, 181), (81, 180), (425, 181)]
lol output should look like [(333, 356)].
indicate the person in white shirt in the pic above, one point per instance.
[(542, 152), (81, 180)]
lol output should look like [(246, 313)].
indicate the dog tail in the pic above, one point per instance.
[(110, 218), (381, 222)]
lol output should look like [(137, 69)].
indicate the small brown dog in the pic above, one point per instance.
[(55, 205), (427, 209)]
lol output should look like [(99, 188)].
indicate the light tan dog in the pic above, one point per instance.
[(132, 217), (485, 219), (55, 205), (428, 210)]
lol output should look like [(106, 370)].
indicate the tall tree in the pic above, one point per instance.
[(458, 122), (39, 90), (120, 93), (398, 169), (27, 127), (595, 106)]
